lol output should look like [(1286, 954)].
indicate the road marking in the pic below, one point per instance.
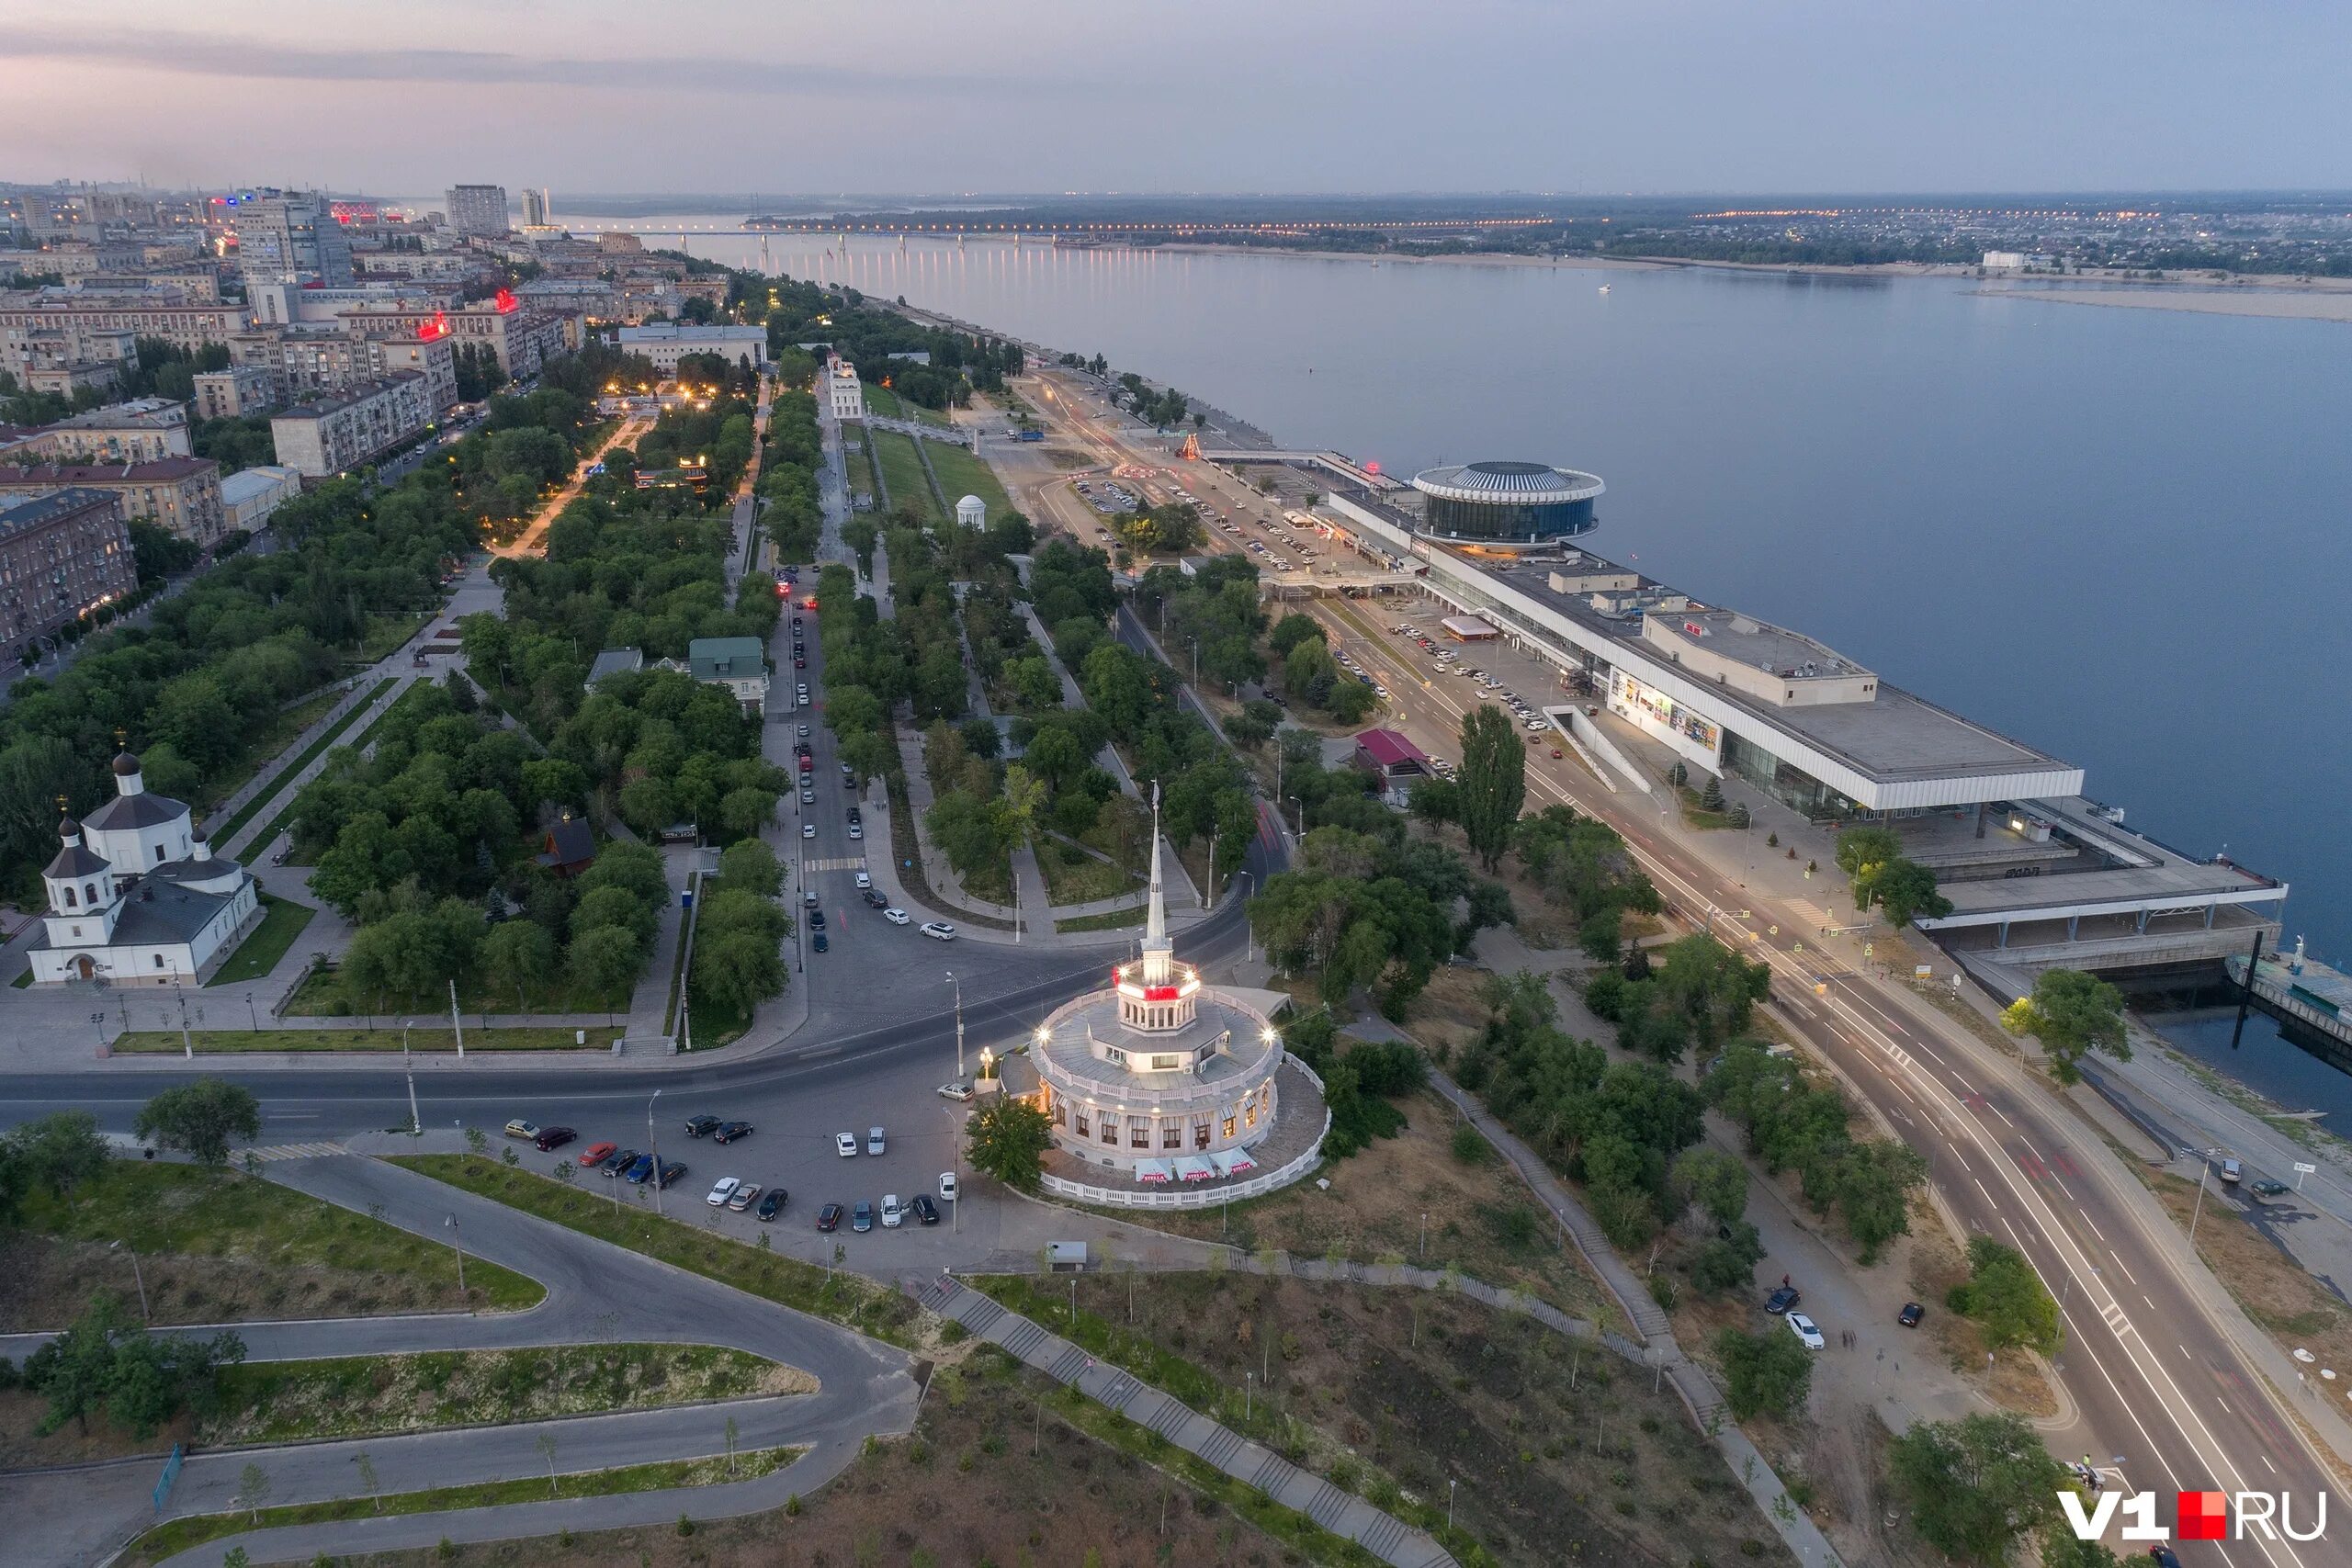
[(2120, 1264)]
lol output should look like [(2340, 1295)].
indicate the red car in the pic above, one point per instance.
[(593, 1155), (828, 1218)]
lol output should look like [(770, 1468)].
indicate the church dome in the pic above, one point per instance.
[(126, 766)]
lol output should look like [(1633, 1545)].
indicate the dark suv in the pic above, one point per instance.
[(701, 1126), (553, 1139), (730, 1131)]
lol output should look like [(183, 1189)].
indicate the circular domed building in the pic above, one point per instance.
[(1160, 1081), (972, 513), (1508, 507)]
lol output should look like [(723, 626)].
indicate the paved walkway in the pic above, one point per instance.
[(595, 1292), (1801, 1536), (1342, 1512)]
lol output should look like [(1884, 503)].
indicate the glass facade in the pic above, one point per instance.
[(1504, 519), (1792, 787)]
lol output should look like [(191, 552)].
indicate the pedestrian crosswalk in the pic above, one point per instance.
[(296, 1151), (839, 863)]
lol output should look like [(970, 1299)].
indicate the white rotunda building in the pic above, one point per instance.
[(1162, 1078), (135, 894)]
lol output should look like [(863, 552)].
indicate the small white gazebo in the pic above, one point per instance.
[(972, 513)]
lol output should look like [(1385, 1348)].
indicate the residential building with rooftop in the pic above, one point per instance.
[(62, 555), (180, 494)]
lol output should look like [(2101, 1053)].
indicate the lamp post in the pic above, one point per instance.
[(654, 1144), (457, 1243), (407, 1066), (960, 1023), (137, 1277), (2202, 1156), (956, 1166)]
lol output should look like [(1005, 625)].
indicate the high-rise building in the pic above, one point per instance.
[(534, 208), (478, 209), (290, 237)]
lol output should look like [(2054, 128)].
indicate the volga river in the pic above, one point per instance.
[(2120, 535)]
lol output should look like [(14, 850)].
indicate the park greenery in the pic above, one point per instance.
[(2070, 1012), (1793, 1122), (198, 1119), (1692, 992), (1310, 675), (1881, 877), (1007, 1138), (1615, 1127), (104, 1364), (2007, 1300), (1360, 1083), (739, 933), (868, 335), (1974, 1487), (1764, 1374)]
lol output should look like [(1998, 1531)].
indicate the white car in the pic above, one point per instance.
[(723, 1192), (947, 1187), (807, 829), (864, 881), (855, 832), (939, 929), (804, 732), (958, 1090), (846, 1144), (897, 917), (873, 1140), (1807, 1334), (893, 1215)]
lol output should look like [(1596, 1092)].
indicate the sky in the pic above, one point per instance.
[(403, 97)]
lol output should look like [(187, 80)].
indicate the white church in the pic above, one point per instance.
[(135, 894)]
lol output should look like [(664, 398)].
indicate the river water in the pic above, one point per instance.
[(2119, 535)]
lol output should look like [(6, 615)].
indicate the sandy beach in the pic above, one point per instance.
[(2284, 304)]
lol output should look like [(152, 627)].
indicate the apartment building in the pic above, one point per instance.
[(236, 392), (324, 437), (181, 494), (61, 554), (185, 326), (141, 431), (285, 236), (478, 209)]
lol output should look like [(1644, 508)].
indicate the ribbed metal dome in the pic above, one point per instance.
[(1520, 482)]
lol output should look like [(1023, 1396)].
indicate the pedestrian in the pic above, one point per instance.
[(1784, 1282)]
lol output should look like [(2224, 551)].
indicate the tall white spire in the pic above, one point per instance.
[(1154, 930)]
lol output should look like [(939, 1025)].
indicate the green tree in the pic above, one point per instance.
[(198, 1119), (519, 955), (1862, 854), (2070, 1012), (1716, 1181), (1493, 782), (1975, 1486), (1728, 1261), (604, 961), (2007, 1299), (1007, 1138), (751, 867), (1764, 1374), (1906, 891), (2061, 1549), (59, 1151), (1874, 1182), (253, 1490)]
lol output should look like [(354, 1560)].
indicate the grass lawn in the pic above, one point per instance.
[(260, 953), (323, 994), (962, 474), (165, 1540), (365, 1396), (840, 1298), (227, 831), (902, 831), (387, 632), (902, 473), (167, 1041), (219, 1244), (1073, 876), (881, 400), (1111, 921), (1697, 815), (276, 734), (856, 464)]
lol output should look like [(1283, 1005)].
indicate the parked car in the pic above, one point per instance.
[(947, 1186), (816, 919), (720, 1193), (2265, 1187), (875, 901), (745, 1191), (939, 930), (518, 1128), (701, 1126), (897, 917), (617, 1164), (959, 1090), (828, 1218), (671, 1171), (1781, 1300), (846, 1144), (926, 1212), (807, 829), (893, 1213), (593, 1155), (1911, 1314), (818, 943), (857, 833), (553, 1139), (1807, 1334), (639, 1169), (873, 1140), (772, 1203), (730, 1131), (860, 1219), (864, 881)]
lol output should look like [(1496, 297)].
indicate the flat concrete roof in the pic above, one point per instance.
[(1757, 644)]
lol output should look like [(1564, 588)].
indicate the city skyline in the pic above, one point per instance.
[(1818, 97)]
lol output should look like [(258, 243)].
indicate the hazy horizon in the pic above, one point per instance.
[(1596, 97)]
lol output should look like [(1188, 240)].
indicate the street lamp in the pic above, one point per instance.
[(2202, 1156), (654, 1144), (455, 1241), (138, 1278), (960, 1023)]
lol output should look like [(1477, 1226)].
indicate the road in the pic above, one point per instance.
[(527, 541), (2168, 1399)]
